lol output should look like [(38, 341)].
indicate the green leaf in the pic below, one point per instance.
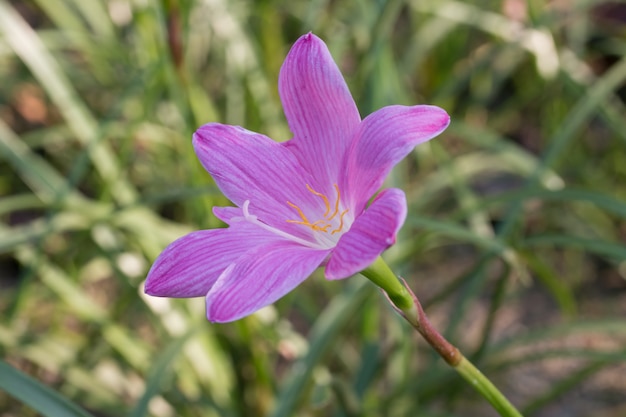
[(36, 395), (599, 247), (323, 335), (159, 372), (457, 232)]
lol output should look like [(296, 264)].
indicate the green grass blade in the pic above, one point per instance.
[(159, 372), (36, 395), (599, 247), (323, 334), (563, 386), (43, 179), (44, 66), (456, 232)]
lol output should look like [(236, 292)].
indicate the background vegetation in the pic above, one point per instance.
[(514, 241)]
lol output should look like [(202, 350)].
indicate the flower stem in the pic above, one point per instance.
[(408, 306), (484, 386), (381, 275)]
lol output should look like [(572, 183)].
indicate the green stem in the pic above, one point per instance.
[(483, 385), (408, 306), (381, 275)]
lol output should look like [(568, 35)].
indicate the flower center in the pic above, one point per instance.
[(329, 225), (332, 221)]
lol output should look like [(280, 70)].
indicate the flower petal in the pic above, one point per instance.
[(319, 109), (371, 233), (228, 215), (189, 266), (384, 138), (260, 277), (249, 166)]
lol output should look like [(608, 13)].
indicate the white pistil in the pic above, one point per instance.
[(254, 220)]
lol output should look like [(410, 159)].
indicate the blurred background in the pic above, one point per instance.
[(514, 240)]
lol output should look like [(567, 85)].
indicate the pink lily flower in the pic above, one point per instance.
[(301, 204)]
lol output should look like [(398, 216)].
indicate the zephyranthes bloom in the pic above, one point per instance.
[(301, 204)]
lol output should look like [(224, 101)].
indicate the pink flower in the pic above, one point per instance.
[(301, 204)]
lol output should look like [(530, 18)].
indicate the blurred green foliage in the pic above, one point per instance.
[(514, 240)]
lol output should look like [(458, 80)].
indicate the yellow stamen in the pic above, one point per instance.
[(338, 229), (323, 228), (324, 224), (322, 196), (302, 216), (336, 203)]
